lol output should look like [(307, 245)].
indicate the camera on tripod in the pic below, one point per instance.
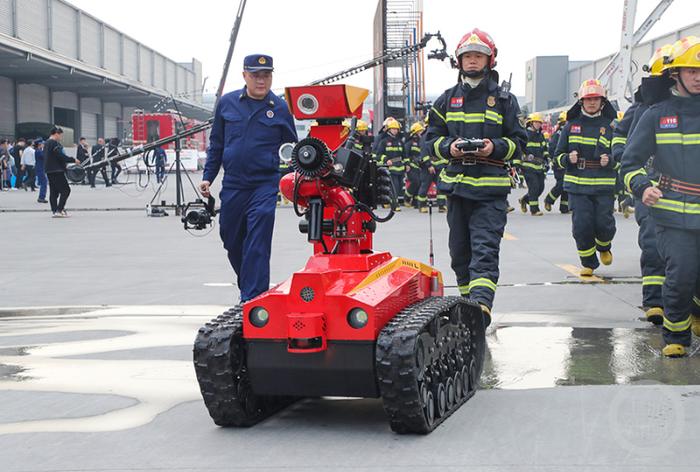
[(198, 215)]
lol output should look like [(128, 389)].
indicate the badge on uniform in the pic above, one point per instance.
[(491, 101), (270, 114), (576, 129), (262, 60), (668, 122), (456, 102), (602, 131)]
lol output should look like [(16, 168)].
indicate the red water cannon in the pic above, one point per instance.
[(337, 186)]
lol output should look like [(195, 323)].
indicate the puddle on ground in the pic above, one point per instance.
[(545, 357), (142, 353)]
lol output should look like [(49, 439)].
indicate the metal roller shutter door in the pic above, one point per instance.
[(111, 127), (33, 103), (67, 100), (88, 125), (7, 107)]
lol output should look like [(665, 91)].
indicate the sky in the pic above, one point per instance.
[(310, 39)]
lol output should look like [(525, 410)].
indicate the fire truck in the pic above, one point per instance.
[(150, 127)]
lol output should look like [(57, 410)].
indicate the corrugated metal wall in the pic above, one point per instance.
[(146, 66), (90, 41), (170, 76), (65, 20), (33, 103), (6, 17), (7, 107), (32, 22), (159, 72), (181, 82), (130, 59), (112, 50)]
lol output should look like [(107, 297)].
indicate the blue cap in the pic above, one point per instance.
[(256, 62), (38, 141)]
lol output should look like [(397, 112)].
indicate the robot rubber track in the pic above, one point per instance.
[(429, 359), (219, 360)]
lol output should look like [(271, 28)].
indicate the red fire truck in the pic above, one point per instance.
[(149, 127)]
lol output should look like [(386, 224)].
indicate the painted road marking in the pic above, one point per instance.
[(575, 271)]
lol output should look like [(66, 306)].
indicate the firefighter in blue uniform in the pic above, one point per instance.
[(653, 89), (390, 154), (249, 126), (534, 163), (431, 167), (670, 131), (412, 149), (558, 189), (476, 181), (584, 151), (361, 141)]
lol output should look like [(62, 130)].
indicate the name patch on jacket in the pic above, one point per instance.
[(576, 129), (668, 122), (456, 102)]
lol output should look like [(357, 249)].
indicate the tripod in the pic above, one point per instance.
[(179, 190)]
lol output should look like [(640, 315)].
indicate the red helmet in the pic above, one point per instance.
[(478, 41), (591, 88)]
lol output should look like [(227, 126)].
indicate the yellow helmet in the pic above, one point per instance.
[(416, 127), (657, 63), (685, 53), (562, 117), (362, 125), (620, 115), (546, 135), (388, 120), (534, 117), (591, 88), (393, 124)]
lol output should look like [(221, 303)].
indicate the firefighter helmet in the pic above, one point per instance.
[(534, 117), (590, 89), (685, 53), (416, 128), (658, 62), (387, 120), (562, 117), (362, 125), (392, 124), (478, 41)]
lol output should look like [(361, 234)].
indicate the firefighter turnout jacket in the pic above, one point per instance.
[(390, 149), (484, 111)]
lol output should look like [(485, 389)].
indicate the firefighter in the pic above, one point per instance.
[(476, 181), (670, 131), (431, 167), (412, 149), (249, 127), (584, 151), (361, 141), (534, 164), (625, 203), (653, 89), (390, 154), (558, 189)]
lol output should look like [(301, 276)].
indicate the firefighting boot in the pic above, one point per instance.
[(537, 213), (606, 257), (695, 325), (487, 314), (523, 205), (674, 350), (586, 272), (547, 206), (442, 208), (655, 315), (510, 209), (423, 209), (408, 202)]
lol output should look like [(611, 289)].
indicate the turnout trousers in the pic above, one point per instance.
[(651, 263), (558, 191), (680, 250), (476, 229), (535, 187), (246, 222), (397, 181), (413, 178), (593, 225)]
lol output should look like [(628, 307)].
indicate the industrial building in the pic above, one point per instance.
[(63, 66), (551, 81)]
